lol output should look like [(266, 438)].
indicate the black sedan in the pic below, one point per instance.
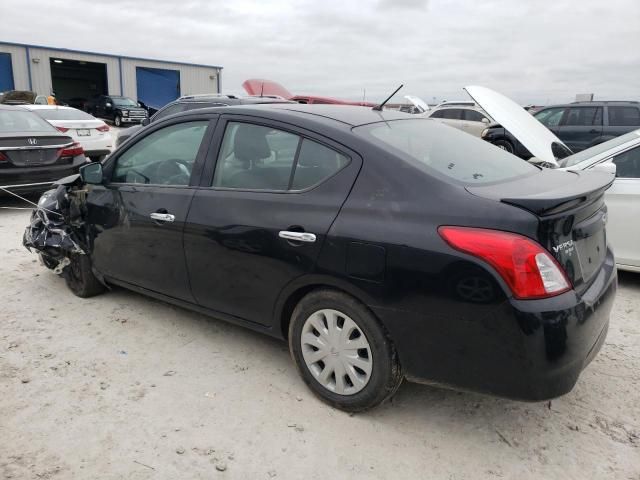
[(33, 154), (380, 245)]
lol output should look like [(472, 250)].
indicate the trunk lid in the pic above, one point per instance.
[(537, 138), (571, 213), (21, 151)]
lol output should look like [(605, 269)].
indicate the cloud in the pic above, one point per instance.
[(531, 50)]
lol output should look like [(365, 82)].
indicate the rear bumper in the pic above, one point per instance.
[(37, 179), (527, 350)]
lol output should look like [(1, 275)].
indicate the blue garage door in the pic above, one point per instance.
[(6, 72), (157, 87)]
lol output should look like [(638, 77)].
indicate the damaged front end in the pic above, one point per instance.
[(57, 229)]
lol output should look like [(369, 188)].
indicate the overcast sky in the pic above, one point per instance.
[(535, 51)]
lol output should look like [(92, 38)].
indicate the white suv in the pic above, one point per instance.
[(466, 116)]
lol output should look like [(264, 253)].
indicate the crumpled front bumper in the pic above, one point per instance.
[(56, 228)]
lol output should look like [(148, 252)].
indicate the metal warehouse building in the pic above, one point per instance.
[(74, 74)]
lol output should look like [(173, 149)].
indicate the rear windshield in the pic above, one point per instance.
[(22, 121), (592, 152), (63, 114), (444, 150)]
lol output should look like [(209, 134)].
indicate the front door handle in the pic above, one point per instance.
[(163, 217), (297, 236)]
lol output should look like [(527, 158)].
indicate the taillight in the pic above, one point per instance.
[(103, 128), (3, 157), (72, 151), (526, 267), (62, 129)]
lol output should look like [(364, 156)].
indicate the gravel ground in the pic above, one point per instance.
[(123, 387)]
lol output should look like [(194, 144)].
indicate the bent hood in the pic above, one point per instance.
[(537, 138)]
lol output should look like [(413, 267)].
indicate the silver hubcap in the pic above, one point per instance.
[(336, 352)]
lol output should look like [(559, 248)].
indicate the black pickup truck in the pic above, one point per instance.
[(120, 110)]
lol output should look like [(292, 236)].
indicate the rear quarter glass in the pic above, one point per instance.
[(445, 152)]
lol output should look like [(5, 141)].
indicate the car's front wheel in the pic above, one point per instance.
[(117, 121), (79, 277), (504, 145), (342, 352)]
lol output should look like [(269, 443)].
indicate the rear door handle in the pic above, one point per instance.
[(297, 236), (163, 217)]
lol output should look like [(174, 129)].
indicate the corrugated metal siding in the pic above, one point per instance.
[(41, 71), (193, 79), (19, 65)]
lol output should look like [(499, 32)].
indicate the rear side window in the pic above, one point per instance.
[(628, 164), (256, 157), (315, 163), (446, 152), (624, 116), (550, 117), (584, 116)]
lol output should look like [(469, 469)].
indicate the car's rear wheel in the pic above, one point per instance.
[(117, 121), (342, 352), (79, 277), (504, 145)]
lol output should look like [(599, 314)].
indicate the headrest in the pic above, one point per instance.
[(250, 143)]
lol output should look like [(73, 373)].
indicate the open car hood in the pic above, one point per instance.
[(260, 86), (418, 103), (537, 138)]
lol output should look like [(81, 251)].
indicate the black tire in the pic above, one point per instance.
[(505, 145), (386, 374), (117, 121), (80, 279)]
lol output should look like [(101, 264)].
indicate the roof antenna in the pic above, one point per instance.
[(378, 108)]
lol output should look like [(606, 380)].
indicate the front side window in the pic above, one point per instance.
[(584, 116), (256, 157), (446, 152), (165, 157), (550, 117), (624, 116), (628, 164)]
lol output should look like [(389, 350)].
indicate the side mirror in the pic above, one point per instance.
[(146, 121), (91, 173), (108, 105), (607, 167), (485, 120)]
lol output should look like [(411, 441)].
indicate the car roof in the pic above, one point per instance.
[(599, 103), (345, 114)]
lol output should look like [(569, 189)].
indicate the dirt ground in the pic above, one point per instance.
[(123, 387)]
